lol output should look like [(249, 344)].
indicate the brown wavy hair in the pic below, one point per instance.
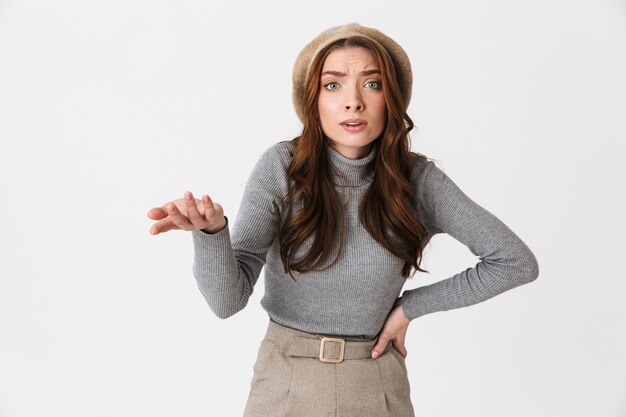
[(387, 209)]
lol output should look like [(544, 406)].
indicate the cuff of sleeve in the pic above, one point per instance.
[(211, 250), (203, 238), (216, 233)]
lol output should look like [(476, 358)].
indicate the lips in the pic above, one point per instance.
[(353, 122), (354, 125)]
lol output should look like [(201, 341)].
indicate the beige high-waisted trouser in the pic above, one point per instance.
[(290, 379)]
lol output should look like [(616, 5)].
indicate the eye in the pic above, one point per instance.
[(326, 86), (377, 84)]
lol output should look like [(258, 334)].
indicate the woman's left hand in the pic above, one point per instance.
[(394, 329)]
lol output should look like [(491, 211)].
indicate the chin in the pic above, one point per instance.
[(353, 141)]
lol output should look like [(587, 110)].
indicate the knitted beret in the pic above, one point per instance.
[(305, 58)]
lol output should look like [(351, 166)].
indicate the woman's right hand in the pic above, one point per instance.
[(188, 213)]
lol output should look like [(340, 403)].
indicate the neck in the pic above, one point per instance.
[(352, 172), (351, 152)]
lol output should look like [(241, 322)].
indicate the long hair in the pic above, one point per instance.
[(386, 209)]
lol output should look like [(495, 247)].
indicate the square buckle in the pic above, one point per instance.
[(341, 350)]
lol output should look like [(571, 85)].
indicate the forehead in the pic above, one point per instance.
[(352, 56)]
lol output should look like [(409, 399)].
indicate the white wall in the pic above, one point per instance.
[(108, 109)]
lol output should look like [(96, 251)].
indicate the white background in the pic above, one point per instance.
[(108, 109)]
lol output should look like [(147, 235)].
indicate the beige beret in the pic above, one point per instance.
[(305, 57)]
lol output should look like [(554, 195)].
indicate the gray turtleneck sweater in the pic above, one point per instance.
[(353, 297)]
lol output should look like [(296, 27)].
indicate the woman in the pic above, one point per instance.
[(340, 216)]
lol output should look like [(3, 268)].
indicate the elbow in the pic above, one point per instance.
[(523, 268), (533, 266), (223, 303), (224, 314), (535, 269), (224, 311), (530, 268)]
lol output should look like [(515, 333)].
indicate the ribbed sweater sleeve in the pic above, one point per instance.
[(505, 260), (226, 271)]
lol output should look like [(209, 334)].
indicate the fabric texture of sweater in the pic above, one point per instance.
[(352, 298)]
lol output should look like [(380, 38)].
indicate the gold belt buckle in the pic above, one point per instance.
[(332, 339)]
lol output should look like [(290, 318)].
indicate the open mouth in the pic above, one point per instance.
[(354, 126)]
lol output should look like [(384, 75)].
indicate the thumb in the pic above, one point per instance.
[(379, 347)]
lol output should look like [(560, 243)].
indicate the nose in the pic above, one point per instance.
[(354, 100), (357, 107)]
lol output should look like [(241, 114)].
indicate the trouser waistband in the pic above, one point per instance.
[(326, 349)]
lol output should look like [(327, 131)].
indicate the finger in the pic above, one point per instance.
[(400, 348), (209, 207), (162, 226), (178, 218), (400, 345), (157, 213), (192, 210), (379, 347), (398, 342)]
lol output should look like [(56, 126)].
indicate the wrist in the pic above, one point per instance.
[(217, 229)]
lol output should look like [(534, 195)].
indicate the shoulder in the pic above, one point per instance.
[(270, 173), (277, 156), (429, 183), (424, 174)]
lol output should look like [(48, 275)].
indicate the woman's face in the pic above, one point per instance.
[(351, 88)]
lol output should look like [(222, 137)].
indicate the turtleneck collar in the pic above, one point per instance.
[(355, 172)]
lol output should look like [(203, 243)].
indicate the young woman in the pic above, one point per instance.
[(340, 216)]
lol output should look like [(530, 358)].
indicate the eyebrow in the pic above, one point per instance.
[(342, 74)]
